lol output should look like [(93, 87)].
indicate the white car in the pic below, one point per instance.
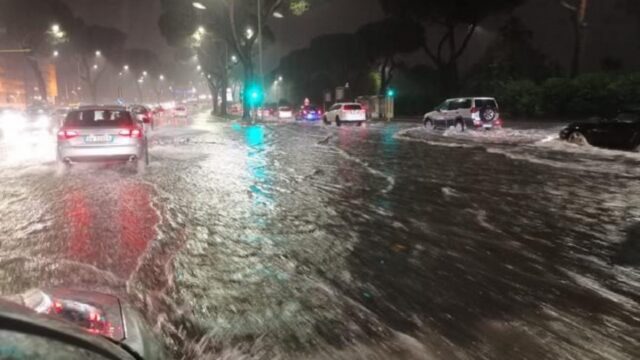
[(465, 113), (285, 112), (180, 111), (341, 113)]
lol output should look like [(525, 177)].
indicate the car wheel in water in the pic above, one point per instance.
[(577, 138), (338, 122), (325, 120), (459, 126), (428, 123)]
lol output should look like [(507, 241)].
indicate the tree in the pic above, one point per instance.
[(329, 61), (93, 47), (512, 56), (36, 26), (383, 40), (447, 18), (206, 36), (234, 22), (578, 14), (144, 65)]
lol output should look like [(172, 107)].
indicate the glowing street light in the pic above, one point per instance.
[(198, 5), (144, 73), (95, 66), (56, 53), (249, 33), (57, 32), (140, 81), (161, 77), (280, 78), (125, 68), (199, 68), (234, 58), (98, 53), (278, 14)]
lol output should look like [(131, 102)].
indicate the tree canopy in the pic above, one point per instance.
[(450, 18)]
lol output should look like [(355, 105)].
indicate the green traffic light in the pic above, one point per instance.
[(391, 93)]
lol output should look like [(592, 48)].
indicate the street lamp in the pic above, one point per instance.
[(144, 73), (249, 33), (161, 77), (278, 14), (199, 68), (280, 78), (125, 68), (95, 66), (98, 53), (234, 58), (198, 5), (55, 53), (56, 31)]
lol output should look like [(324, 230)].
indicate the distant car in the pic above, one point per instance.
[(267, 111), (341, 113), (465, 113), (12, 122), (309, 113), (143, 114), (39, 120), (101, 133), (285, 112), (180, 111), (622, 132)]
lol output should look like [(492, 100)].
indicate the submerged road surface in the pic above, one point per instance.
[(301, 241)]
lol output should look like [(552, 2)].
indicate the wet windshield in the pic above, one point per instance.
[(328, 179)]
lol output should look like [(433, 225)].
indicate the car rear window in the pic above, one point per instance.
[(480, 103), (98, 118), (352, 107)]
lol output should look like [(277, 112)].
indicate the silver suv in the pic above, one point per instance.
[(465, 113)]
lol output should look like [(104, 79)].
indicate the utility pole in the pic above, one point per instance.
[(578, 10), (260, 68)]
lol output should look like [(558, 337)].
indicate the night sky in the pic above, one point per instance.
[(612, 32)]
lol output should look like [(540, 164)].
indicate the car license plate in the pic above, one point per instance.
[(487, 126), (97, 139)]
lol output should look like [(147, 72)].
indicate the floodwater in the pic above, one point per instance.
[(302, 241)]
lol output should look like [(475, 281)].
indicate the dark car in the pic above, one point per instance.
[(309, 113), (621, 132)]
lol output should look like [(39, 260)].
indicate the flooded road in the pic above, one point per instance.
[(290, 241)]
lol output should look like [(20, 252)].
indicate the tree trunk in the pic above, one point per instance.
[(578, 43), (42, 86), (140, 93), (248, 78), (93, 91), (224, 85)]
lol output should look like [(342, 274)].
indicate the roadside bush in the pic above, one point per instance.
[(588, 95), (520, 98), (593, 95)]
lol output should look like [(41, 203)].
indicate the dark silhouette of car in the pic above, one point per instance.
[(620, 132)]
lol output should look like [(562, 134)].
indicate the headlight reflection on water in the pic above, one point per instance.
[(20, 144)]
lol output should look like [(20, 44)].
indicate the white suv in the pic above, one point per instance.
[(465, 113), (345, 113)]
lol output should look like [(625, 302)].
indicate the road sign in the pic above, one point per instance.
[(339, 93)]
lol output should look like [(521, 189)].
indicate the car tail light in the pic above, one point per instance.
[(67, 134), (134, 133)]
